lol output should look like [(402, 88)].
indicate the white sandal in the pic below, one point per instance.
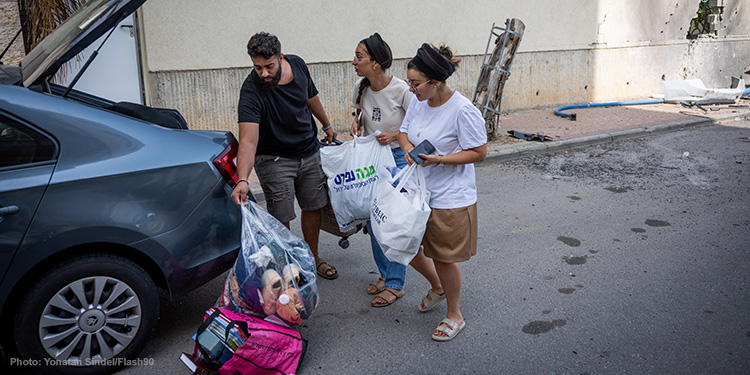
[(433, 300), (451, 330)]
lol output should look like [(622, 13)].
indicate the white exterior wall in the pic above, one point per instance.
[(328, 31), (572, 52)]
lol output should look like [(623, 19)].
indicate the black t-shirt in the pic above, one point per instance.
[(287, 128)]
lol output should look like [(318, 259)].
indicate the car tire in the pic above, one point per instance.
[(59, 334)]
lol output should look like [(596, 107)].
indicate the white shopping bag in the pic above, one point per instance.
[(399, 218), (355, 170)]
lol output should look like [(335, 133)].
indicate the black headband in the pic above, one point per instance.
[(430, 62), (378, 50)]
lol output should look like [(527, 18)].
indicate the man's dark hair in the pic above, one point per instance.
[(264, 45)]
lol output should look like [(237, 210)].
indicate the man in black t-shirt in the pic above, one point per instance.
[(278, 137)]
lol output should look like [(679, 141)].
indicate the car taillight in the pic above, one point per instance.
[(226, 164), (183, 119)]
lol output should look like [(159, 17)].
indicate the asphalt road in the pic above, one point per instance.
[(628, 258)]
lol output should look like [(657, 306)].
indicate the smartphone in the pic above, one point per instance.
[(423, 148)]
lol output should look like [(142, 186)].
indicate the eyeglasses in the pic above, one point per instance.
[(360, 58), (414, 87)]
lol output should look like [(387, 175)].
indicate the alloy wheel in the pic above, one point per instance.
[(90, 320)]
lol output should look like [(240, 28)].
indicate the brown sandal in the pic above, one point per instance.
[(377, 286), (323, 267), (389, 295)]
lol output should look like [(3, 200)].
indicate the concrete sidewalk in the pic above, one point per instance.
[(601, 125)]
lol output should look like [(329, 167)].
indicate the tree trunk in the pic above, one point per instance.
[(24, 17)]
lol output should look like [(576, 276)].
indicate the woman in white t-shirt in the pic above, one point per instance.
[(457, 130), (381, 102)]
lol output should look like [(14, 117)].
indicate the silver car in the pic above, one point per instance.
[(100, 204)]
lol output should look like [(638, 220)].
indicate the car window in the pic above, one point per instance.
[(20, 144)]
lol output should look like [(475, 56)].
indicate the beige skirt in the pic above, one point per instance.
[(451, 234)]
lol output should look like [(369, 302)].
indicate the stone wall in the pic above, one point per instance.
[(9, 26)]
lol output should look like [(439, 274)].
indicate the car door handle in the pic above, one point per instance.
[(10, 210)]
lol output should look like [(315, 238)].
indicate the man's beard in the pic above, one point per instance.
[(274, 80)]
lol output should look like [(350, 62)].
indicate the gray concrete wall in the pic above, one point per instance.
[(194, 59), (735, 18), (572, 52), (544, 79)]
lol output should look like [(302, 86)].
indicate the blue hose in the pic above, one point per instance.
[(572, 116)]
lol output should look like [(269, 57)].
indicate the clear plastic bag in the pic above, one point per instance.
[(274, 275)]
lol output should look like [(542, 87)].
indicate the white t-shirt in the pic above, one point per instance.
[(385, 109), (454, 126)]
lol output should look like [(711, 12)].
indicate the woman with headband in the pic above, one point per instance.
[(381, 101), (456, 128)]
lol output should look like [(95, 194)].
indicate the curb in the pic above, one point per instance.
[(526, 149)]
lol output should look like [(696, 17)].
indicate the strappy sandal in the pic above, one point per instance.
[(428, 303), (378, 286), (451, 330), (389, 295), (323, 271)]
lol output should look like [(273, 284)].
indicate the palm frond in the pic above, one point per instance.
[(40, 17)]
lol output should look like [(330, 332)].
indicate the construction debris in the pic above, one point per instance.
[(495, 71), (529, 136), (693, 91)]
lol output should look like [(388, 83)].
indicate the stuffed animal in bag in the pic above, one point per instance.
[(280, 296), (272, 287), (274, 275), (232, 295), (289, 305)]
